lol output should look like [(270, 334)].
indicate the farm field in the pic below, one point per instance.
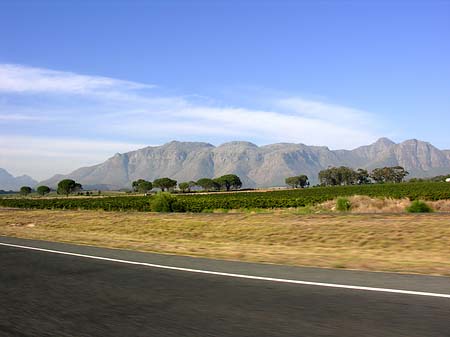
[(413, 243), (197, 202)]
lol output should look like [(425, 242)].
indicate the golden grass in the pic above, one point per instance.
[(365, 204), (395, 242)]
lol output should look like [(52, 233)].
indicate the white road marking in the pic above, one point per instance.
[(251, 277)]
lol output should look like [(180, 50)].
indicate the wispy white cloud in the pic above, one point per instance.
[(332, 113), (17, 78), (21, 117), (77, 108)]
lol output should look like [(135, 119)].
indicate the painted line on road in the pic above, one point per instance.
[(251, 277)]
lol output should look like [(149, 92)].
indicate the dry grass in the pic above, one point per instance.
[(365, 204), (440, 205), (399, 242)]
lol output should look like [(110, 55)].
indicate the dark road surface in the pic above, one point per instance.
[(46, 294)]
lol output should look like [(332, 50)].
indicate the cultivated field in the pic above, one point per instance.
[(196, 202), (382, 242)]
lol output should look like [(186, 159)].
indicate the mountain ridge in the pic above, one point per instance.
[(258, 166), (10, 183)]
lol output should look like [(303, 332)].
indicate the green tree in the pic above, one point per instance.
[(186, 186), (207, 184), (399, 174), (165, 183), (394, 174), (68, 186), (229, 181), (43, 190), (142, 186), (362, 177), (25, 190), (297, 181), (338, 176)]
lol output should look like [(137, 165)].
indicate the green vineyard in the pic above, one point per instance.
[(197, 202)]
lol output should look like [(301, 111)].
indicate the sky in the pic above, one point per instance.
[(83, 80)]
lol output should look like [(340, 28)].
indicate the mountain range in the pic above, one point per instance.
[(10, 183), (257, 166)]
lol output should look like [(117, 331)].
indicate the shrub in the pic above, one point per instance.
[(418, 206), (343, 204), (166, 202)]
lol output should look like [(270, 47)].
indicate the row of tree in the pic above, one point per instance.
[(347, 176), (433, 179), (335, 176), (329, 177), (65, 187), (226, 182)]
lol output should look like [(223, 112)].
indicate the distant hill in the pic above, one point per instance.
[(9, 182), (258, 166)]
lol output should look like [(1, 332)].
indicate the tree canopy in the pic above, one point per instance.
[(229, 181), (186, 186), (347, 176), (207, 184), (68, 186), (142, 186), (297, 181), (338, 176), (165, 183), (43, 190), (394, 174), (25, 190)]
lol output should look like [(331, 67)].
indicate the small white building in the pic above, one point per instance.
[(447, 180)]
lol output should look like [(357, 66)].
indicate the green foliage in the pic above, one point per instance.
[(240, 200), (418, 206), (208, 184), (25, 190), (362, 177), (297, 181), (43, 190), (166, 202), (394, 174), (343, 204), (165, 183), (68, 186), (142, 186), (228, 182), (336, 176), (184, 187), (440, 178)]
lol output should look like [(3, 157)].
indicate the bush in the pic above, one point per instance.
[(343, 205), (166, 202), (418, 206)]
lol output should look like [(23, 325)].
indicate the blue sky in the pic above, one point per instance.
[(82, 80)]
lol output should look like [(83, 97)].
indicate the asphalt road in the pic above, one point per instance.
[(48, 294)]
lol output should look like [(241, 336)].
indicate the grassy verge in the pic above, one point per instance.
[(396, 242)]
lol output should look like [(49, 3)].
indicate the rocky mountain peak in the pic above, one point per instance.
[(384, 142), (257, 166)]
